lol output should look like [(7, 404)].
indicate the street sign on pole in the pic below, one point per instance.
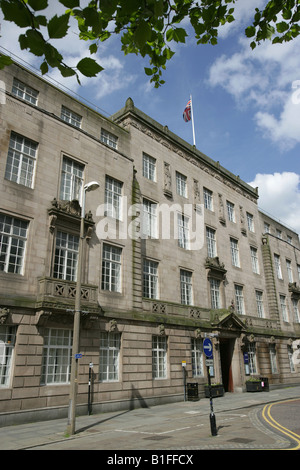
[(208, 348), (208, 351)]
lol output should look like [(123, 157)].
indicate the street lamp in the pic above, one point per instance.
[(76, 328)]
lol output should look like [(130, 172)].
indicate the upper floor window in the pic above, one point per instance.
[(113, 197), (266, 227), (21, 160), (230, 211), (239, 299), (254, 260), (108, 139), (186, 287), (296, 310), (211, 242), (181, 184), (25, 92), (13, 237), (70, 117), (150, 279), (278, 233), (66, 256), (111, 268), (283, 306), (259, 303), (183, 231), (250, 222), (278, 266), (289, 270), (215, 293), (149, 167), (149, 218), (71, 179), (235, 257), (208, 199)]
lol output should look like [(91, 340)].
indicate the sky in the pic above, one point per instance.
[(246, 104)]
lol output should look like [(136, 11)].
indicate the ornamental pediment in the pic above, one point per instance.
[(228, 321)]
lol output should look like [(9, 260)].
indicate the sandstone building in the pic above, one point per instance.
[(175, 250)]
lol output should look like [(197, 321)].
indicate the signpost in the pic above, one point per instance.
[(183, 363), (208, 351)]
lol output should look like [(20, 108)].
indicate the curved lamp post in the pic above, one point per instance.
[(76, 328)]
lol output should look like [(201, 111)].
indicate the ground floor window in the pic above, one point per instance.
[(197, 357), (290, 356), (252, 358), (56, 366), (273, 358), (159, 357), (7, 343), (109, 356)]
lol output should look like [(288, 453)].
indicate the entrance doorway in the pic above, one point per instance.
[(226, 354)]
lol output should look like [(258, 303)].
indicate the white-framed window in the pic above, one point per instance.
[(208, 199), (290, 357), (266, 227), (284, 310), (66, 256), (21, 160), (111, 268), (149, 167), (250, 222), (150, 279), (113, 197), (159, 357), (252, 358), (181, 184), (254, 260), (197, 357), (239, 299), (25, 92), (57, 356), (149, 219), (109, 139), (289, 239), (215, 293), (234, 248), (13, 238), (230, 211), (259, 303), (70, 117), (296, 310), (183, 231), (278, 233), (273, 358), (72, 174), (211, 242), (110, 345), (277, 266), (289, 270), (7, 344), (186, 287)]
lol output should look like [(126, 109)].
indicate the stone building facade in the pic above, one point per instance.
[(175, 250)]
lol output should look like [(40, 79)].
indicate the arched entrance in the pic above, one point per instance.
[(226, 355)]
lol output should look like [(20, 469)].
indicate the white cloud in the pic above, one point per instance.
[(279, 195)]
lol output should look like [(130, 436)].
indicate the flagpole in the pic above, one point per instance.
[(192, 115)]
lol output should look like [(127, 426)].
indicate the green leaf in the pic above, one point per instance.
[(148, 71), (16, 12), (250, 31), (5, 60), (179, 34), (282, 27), (37, 5), (93, 48), (70, 3), (58, 26), (142, 34), (44, 68), (89, 67), (35, 42)]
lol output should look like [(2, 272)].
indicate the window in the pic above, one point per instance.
[(113, 197), (186, 288), (266, 227), (108, 139), (250, 222), (273, 358), (296, 311), (254, 260), (211, 242), (215, 293), (298, 269), (234, 247), (183, 231), (159, 357), (111, 268), (252, 358), (208, 199), (66, 256), (149, 219), (181, 185), (230, 211), (109, 356), (259, 303), (278, 233), (197, 357), (71, 180), (21, 160), (289, 270), (57, 354), (290, 356), (239, 299), (289, 239), (13, 237), (7, 344), (150, 278), (283, 308), (70, 117), (24, 92), (278, 266), (149, 167)]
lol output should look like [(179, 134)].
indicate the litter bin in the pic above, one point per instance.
[(192, 391), (264, 384)]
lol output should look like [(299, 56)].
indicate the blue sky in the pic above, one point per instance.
[(246, 103)]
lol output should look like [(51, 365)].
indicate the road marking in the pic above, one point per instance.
[(272, 422)]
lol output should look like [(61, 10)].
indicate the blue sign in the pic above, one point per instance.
[(246, 358), (208, 348), (78, 356)]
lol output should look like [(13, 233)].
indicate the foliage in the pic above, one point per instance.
[(146, 28)]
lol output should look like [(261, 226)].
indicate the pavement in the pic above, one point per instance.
[(182, 427)]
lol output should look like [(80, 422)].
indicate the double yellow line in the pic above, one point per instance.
[(266, 413)]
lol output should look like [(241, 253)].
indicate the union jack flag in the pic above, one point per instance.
[(187, 112)]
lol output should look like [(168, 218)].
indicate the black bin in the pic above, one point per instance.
[(192, 391), (264, 384)]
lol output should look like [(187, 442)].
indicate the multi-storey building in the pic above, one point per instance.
[(175, 249)]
